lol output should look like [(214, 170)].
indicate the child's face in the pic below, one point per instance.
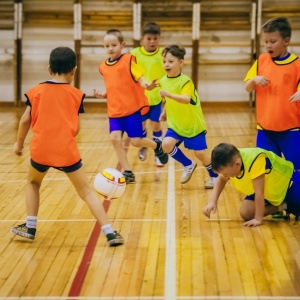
[(275, 45), (113, 46), (150, 42), (172, 65), (232, 170)]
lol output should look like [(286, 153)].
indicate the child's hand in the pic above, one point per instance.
[(99, 95), (295, 97), (152, 85), (262, 81), (252, 223), (209, 208), (164, 93), (18, 150)]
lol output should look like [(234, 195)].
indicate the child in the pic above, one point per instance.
[(275, 77), (255, 171), (52, 112), (125, 99), (184, 115), (149, 59)]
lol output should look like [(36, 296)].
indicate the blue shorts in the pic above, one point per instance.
[(132, 125), (285, 142), (153, 113), (292, 197), (197, 142), (44, 168)]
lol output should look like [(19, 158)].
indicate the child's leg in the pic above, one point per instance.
[(34, 182), (86, 193), (247, 210), (116, 139), (203, 156), (169, 146)]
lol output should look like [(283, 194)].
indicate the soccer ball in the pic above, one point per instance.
[(110, 183)]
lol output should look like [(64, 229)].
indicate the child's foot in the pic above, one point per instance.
[(24, 231), (159, 152), (210, 184), (129, 177), (188, 172), (114, 239), (143, 153)]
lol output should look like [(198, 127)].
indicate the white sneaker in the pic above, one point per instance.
[(210, 184), (158, 163), (188, 172)]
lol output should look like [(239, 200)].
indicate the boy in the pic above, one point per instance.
[(52, 112), (149, 58), (126, 100), (184, 116), (275, 77), (268, 176)]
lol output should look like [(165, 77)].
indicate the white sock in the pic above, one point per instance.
[(31, 221), (107, 229)]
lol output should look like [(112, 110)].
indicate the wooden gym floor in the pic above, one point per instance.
[(171, 252)]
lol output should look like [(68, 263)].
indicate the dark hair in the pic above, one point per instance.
[(175, 50), (62, 60), (151, 28), (280, 24), (117, 33), (223, 155)]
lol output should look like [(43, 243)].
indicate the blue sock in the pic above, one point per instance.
[(157, 136), (178, 155), (210, 171)]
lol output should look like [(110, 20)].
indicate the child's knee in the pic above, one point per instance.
[(246, 214), (167, 146)]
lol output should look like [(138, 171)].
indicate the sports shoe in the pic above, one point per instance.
[(210, 184), (143, 153), (159, 152), (158, 163), (188, 172), (129, 177), (24, 231), (114, 239)]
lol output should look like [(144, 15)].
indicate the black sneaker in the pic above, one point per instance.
[(24, 231), (129, 177), (114, 239), (159, 152)]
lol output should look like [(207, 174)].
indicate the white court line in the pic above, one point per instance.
[(91, 176), (91, 220), (170, 265), (156, 298)]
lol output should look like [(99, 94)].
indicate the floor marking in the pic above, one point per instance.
[(170, 266), (155, 298), (90, 220)]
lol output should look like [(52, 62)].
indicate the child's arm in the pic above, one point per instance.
[(212, 205), (185, 99), (148, 86), (99, 95), (259, 201), (23, 129), (163, 115), (256, 80)]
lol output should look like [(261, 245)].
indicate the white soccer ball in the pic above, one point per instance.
[(110, 183)]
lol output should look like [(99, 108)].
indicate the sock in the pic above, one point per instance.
[(210, 171), (31, 221), (107, 229), (157, 136), (178, 155), (144, 133)]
